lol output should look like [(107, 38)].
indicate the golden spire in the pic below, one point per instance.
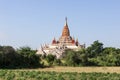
[(65, 31), (66, 21)]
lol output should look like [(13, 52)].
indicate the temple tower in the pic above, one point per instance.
[(65, 37), (57, 47), (66, 31)]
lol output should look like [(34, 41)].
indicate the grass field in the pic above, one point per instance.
[(79, 69), (62, 73), (51, 75)]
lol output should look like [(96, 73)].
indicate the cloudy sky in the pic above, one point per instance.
[(35, 22)]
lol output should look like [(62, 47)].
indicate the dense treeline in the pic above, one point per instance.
[(94, 55), (21, 58)]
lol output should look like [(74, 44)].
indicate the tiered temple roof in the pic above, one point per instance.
[(65, 38), (64, 42)]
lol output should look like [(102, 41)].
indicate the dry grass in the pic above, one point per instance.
[(79, 69)]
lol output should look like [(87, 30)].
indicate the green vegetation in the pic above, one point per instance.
[(25, 57), (94, 55), (20, 58), (50, 60), (40, 75)]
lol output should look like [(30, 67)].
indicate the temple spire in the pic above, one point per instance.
[(66, 31), (66, 21)]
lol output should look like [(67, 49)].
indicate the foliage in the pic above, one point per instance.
[(72, 58), (24, 57), (8, 57), (94, 55), (95, 49), (28, 57), (50, 60), (38, 75)]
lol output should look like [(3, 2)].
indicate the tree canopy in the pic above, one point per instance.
[(94, 55), (24, 57)]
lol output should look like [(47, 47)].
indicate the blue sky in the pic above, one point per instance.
[(35, 22)]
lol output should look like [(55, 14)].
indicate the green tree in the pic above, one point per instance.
[(71, 58), (83, 57), (8, 57), (57, 62), (110, 57), (50, 59), (28, 57), (93, 52), (95, 49)]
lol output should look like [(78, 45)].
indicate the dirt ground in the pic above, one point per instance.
[(79, 69)]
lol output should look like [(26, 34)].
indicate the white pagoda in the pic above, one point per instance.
[(57, 47)]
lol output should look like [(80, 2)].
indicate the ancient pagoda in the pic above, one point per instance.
[(57, 47)]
